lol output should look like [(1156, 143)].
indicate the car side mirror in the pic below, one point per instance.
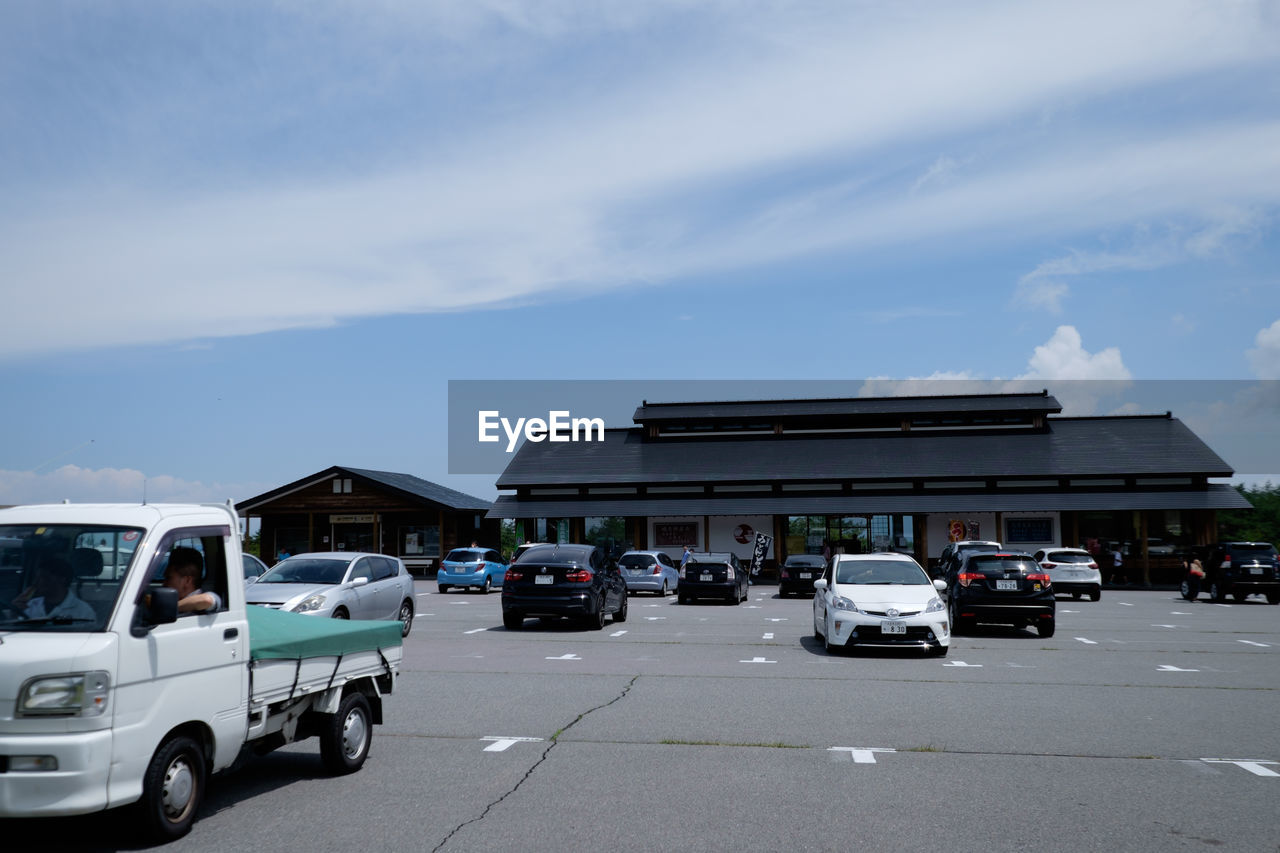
[(820, 584), (355, 582), (939, 584), (158, 607)]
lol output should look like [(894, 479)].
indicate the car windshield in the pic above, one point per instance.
[(1252, 551), (635, 561), (464, 555), (1069, 557), (805, 560), (58, 577), (556, 554), (877, 572), (307, 570), (996, 563)]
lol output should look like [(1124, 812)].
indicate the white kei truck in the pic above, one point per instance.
[(109, 696)]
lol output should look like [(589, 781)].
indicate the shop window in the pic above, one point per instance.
[(419, 541)]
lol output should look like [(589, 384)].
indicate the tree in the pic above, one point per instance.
[(1260, 524)]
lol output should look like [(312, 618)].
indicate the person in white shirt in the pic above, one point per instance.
[(51, 596), (183, 574)]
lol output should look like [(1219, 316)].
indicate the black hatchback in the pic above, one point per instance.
[(1009, 589), (563, 581), (708, 575), (799, 572), (1238, 569)]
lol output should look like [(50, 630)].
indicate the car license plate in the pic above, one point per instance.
[(635, 573), (547, 579), (1255, 570), (460, 570), (704, 577), (804, 576), (896, 627), (1010, 585)]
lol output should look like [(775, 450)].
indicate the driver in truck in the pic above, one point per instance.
[(186, 567)]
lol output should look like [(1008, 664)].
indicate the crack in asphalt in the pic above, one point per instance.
[(555, 739)]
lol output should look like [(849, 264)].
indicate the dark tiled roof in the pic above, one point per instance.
[(1217, 496), (406, 484), (1071, 447), (847, 406)]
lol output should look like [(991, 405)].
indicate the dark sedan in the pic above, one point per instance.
[(799, 572), (1009, 589), (563, 581), (709, 575)]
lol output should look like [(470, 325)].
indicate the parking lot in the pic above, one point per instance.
[(1146, 723)]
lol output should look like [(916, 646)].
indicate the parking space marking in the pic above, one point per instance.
[(1068, 611), (617, 633), (860, 754), (420, 615), (961, 663), (1253, 765), (1259, 645), (767, 636), (1165, 626), (501, 744), (463, 603), (653, 618), (1019, 665), (778, 619), (425, 593), (1087, 641), (1216, 604), (475, 630), (1124, 604), (570, 656), (753, 606), (757, 660), (1178, 613), (1164, 667)]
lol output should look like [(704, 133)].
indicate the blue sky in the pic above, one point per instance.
[(241, 242)]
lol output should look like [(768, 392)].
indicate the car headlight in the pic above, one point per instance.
[(310, 603), (934, 606), (842, 603), (83, 694)]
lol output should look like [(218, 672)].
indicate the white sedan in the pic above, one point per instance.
[(883, 600)]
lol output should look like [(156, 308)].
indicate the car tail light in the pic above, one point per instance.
[(783, 573), (578, 576), (1044, 579), (967, 578), (480, 568), (657, 569), (1226, 562), (1046, 565), (512, 575), (1092, 564), (728, 573)]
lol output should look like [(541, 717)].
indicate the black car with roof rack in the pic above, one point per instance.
[(1008, 588), (563, 581), (1236, 569), (712, 575)]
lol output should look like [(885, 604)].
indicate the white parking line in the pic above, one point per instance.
[(463, 603), (777, 619), (1164, 667), (1216, 604), (1124, 604), (653, 618), (501, 744), (475, 630), (617, 633), (767, 637), (1164, 626), (1253, 765), (1087, 642), (1259, 645), (961, 663), (420, 615), (859, 754), (757, 660), (569, 656), (1178, 613), (1068, 611)]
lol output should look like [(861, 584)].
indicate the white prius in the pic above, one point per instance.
[(882, 600)]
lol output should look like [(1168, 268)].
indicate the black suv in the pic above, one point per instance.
[(1237, 569), (1007, 588), (556, 581), (708, 575), (799, 572)]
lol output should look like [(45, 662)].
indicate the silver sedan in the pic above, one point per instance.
[(340, 584)]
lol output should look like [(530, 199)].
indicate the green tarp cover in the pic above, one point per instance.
[(281, 635)]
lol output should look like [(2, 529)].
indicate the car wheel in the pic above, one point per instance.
[(1273, 598), (443, 588), (341, 613), (512, 620), (488, 585), (1075, 596), (817, 635), (681, 598), (1240, 596), (1095, 594), (830, 647), (953, 611), (621, 614), (406, 617), (1190, 588), (746, 592), (1045, 627), (662, 593), (1217, 592), (172, 788), (344, 740), (595, 621)]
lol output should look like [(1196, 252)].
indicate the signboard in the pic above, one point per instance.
[(760, 552), (368, 518), (1037, 530), (675, 534)]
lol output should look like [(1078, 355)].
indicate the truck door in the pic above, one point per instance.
[(195, 668)]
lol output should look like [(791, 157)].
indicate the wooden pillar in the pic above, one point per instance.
[(1143, 527), (920, 532), (706, 533)]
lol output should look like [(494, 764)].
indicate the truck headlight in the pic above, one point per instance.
[(310, 603), (82, 694)]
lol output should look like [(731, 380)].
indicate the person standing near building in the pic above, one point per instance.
[(684, 559), (1117, 565)]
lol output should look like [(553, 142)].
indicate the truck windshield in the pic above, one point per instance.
[(58, 577)]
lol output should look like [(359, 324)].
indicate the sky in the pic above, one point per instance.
[(241, 242)]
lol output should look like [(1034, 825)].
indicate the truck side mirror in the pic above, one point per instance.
[(158, 607)]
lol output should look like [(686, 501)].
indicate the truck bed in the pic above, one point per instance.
[(292, 655)]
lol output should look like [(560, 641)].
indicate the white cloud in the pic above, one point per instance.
[(1041, 294), (1264, 358), (667, 168), (1064, 357), (114, 485)]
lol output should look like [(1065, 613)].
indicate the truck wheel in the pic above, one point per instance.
[(406, 617), (172, 788), (344, 740)]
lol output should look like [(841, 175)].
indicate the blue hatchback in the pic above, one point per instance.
[(482, 568)]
